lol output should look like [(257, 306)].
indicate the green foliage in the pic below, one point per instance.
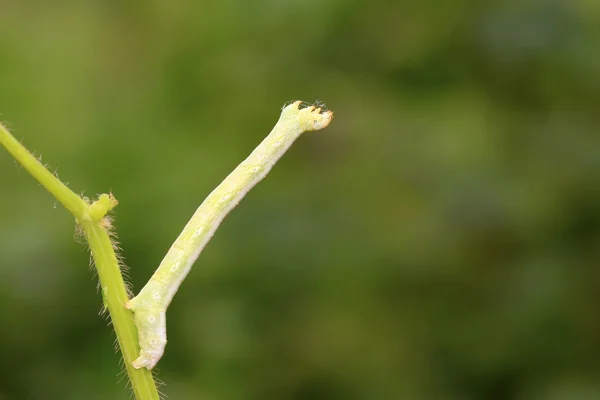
[(439, 241)]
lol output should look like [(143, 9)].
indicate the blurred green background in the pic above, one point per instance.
[(440, 240)]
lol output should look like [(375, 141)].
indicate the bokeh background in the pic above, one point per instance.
[(440, 240)]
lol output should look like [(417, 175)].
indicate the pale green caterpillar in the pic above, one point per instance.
[(150, 305)]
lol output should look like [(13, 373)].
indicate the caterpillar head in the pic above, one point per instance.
[(311, 118)]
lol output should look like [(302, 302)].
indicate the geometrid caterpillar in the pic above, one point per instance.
[(150, 305)]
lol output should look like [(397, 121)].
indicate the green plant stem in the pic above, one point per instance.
[(95, 225), (71, 201), (115, 296)]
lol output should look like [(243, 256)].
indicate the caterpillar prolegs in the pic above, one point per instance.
[(150, 305)]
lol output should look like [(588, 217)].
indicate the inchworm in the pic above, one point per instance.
[(150, 305)]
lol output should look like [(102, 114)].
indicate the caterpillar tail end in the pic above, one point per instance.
[(144, 362), (152, 334)]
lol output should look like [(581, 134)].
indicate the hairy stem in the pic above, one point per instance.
[(91, 218), (115, 296), (71, 201)]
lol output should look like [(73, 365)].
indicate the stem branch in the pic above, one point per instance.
[(95, 225)]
